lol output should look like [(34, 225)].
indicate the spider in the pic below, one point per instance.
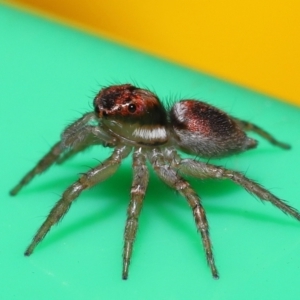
[(132, 120)]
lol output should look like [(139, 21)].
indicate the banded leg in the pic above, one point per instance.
[(261, 132), (202, 170), (171, 178), (42, 165), (81, 131), (88, 136), (87, 180), (77, 136), (138, 190)]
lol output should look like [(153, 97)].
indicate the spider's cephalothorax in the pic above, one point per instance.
[(133, 120), (134, 115)]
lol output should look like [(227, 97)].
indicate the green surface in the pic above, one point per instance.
[(48, 77)]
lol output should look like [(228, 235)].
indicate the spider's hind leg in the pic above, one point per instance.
[(203, 170), (247, 126)]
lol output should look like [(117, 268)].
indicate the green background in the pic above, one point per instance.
[(49, 74)]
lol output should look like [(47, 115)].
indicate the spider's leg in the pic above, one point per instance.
[(171, 177), (87, 142), (73, 137), (245, 125), (202, 170), (43, 164), (87, 180), (87, 136), (81, 134), (138, 190)]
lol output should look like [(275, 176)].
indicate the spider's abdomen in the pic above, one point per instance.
[(202, 129)]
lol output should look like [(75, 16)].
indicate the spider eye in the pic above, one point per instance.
[(131, 108)]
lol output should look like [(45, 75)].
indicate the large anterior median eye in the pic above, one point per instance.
[(132, 108)]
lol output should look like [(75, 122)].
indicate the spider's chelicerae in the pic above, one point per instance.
[(133, 121)]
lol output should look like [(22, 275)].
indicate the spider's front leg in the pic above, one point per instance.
[(43, 164), (138, 190), (170, 176), (81, 135), (87, 180), (75, 138)]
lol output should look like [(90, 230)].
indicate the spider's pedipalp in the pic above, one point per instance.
[(162, 167), (138, 190), (87, 180)]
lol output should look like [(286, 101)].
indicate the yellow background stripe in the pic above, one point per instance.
[(252, 43)]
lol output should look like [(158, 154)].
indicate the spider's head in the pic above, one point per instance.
[(132, 113)]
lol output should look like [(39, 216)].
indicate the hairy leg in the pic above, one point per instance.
[(171, 178), (87, 180), (252, 127), (138, 190), (88, 136), (40, 167), (82, 136), (202, 170), (81, 130)]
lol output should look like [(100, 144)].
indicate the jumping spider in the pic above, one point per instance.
[(133, 120)]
